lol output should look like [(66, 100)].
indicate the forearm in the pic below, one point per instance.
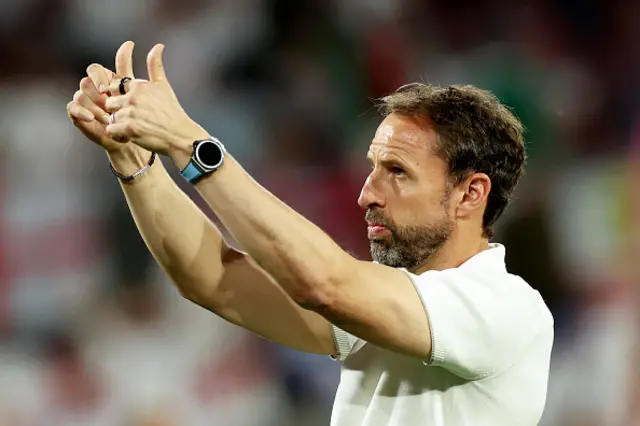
[(180, 237), (300, 256), (206, 270)]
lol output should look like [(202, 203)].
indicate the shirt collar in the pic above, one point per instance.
[(493, 257)]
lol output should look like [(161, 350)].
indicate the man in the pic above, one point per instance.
[(434, 332)]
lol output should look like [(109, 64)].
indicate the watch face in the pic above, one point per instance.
[(209, 154)]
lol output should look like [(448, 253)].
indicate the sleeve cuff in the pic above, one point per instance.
[(343, 341), (437, 346)]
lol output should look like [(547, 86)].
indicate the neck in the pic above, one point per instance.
[(453, 253)]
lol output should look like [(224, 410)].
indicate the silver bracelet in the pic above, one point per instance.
[(136, 174)]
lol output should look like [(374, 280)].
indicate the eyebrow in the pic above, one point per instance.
[(393, 161)]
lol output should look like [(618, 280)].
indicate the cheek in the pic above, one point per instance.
[(411, 211), (416, 204), (428, 211)]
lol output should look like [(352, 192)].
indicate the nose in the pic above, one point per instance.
[(370, 195)]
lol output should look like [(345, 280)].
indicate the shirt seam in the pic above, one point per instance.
[(434, 345)]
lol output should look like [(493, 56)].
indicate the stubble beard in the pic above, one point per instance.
[(409, 246)]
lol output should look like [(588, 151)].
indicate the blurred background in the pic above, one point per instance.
[(92, 333)]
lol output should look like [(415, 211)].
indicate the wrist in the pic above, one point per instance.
[(182, 148), (129, 158)]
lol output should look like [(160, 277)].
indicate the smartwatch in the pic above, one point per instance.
[(207, 157)]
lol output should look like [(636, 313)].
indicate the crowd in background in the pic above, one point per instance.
[(92, 333)]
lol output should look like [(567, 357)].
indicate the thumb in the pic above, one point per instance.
[(154, 64), (124, 60)]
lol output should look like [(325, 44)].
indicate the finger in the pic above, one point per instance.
[(124, 60), (89, 89), (115, 89), (100, 76), (122, 115), (91, 129), (154, 64), (83, 100), (115, 103), (78, 112)]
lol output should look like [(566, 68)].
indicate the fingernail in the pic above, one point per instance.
[(103, 88), (104, 119), (88, 118)]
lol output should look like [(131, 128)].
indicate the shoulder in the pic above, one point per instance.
[(499, 292), (485, 278), (484, 297)]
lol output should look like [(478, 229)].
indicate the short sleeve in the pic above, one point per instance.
[(479, 324), (344, 343)]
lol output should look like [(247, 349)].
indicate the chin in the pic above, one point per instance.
[(386, 257), (390, 256)]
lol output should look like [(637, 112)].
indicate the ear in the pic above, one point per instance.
[(475, 192)]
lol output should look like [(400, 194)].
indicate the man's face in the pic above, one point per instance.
[(405, 196)]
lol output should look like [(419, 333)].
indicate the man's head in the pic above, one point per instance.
[(445, 162)]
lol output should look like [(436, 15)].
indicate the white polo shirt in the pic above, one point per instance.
[(492, 336)]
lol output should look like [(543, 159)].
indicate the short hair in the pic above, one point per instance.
[(476, 134)]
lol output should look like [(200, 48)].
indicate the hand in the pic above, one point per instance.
[(150, 115), (87, 110)]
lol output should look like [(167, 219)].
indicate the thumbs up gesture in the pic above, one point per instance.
[(149, 114), (87, 110)]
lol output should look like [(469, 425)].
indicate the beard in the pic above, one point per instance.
[(409, 246)]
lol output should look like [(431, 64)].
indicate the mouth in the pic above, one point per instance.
[(377, 230)]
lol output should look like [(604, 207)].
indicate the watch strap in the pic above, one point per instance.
[(192, 172)]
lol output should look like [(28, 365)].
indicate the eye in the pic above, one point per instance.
[(397, 171)]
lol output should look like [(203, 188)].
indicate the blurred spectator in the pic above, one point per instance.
[(51, 216)]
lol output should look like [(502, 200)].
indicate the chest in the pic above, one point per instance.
[(372, 371)]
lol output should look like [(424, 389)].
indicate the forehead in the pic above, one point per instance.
[(408, 137)]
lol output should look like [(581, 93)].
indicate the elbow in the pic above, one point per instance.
[(190, 294), (204, 299), (201, 290)]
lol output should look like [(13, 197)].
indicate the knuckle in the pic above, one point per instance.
[(72, 113), (136, 88), (110, 105), (86, 82), (133, 129), (114, 88)]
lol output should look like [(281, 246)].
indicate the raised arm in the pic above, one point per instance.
[(191, 250), (376, 303), (187, 245)]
